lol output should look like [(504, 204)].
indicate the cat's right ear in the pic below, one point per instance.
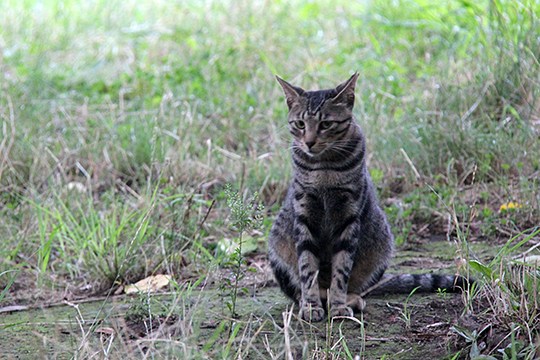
[(292, 93)]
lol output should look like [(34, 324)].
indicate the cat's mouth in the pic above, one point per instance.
[(314, 151)]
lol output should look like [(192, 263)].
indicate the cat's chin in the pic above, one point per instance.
[(313, 153)]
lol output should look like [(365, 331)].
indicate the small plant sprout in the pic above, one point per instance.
[(405, 314), (442, 293)]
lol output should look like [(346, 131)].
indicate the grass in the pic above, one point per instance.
[(121, 123), (512, 293)]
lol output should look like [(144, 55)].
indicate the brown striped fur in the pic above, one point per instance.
[(331, 240)]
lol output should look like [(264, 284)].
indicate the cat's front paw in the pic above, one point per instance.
[(341, 311), (312, 313)]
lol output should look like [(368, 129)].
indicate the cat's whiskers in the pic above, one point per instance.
[(342, 149), (294, 146)]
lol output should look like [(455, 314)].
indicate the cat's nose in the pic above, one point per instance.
[(310, 144)]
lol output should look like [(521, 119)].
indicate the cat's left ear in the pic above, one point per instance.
[(345, 92)]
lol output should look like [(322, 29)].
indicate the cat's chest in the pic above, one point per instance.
[(326, 178), (326, 211), (326, 207), (333, 201)]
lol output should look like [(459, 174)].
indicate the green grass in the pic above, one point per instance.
[(122, 121)]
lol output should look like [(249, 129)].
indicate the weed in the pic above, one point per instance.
[(511, 292), (139, 308), (472, 338), (442, 293), (245, 215)]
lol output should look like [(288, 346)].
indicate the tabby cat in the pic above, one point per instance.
[(331, 241)]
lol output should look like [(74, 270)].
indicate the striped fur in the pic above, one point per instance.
[(331, 240), (420, 283)]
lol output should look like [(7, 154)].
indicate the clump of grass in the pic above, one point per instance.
[(81, 239), (510, 295)]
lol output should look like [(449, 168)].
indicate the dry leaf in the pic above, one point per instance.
[(150, 284)]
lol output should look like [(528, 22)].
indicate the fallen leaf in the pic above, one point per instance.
[(150, 284)]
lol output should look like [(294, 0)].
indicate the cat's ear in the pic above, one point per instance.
[(292, 93), (345, 92)]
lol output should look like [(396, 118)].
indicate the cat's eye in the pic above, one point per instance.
[(325, 125), (300, 124)]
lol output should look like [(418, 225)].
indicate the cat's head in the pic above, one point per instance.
[(320, 119)]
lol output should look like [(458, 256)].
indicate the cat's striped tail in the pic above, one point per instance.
[(406, 283)]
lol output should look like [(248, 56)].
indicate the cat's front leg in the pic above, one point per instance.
[(344, 253), (308, 267), (310, 304)]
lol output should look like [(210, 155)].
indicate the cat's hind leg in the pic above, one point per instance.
[(284, 260), (355, 302)]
